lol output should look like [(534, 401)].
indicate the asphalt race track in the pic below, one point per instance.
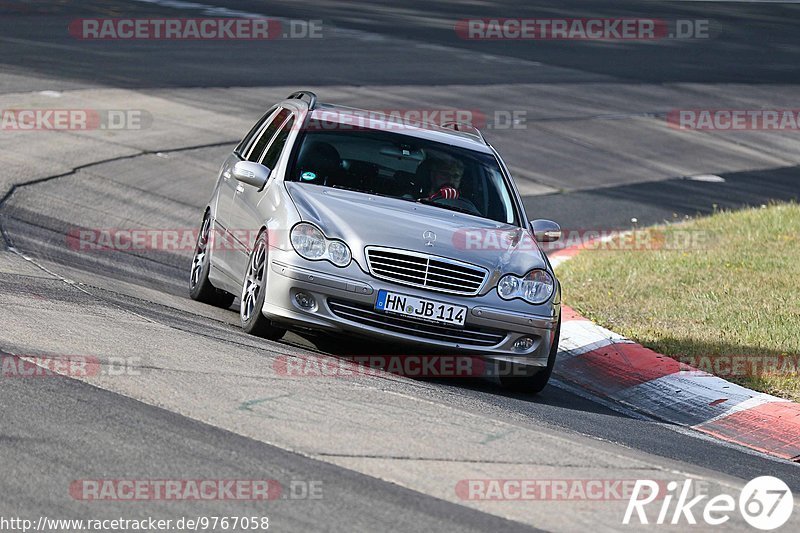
[(202, 400)]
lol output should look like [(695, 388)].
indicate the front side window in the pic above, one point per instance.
[(405, 167), (266, 135), (274, 151), (244, 146)]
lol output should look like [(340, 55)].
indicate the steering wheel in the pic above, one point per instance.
[(461, 203)]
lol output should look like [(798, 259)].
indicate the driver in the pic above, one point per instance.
[(445, 179)]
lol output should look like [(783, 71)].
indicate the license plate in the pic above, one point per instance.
[(421, 308)]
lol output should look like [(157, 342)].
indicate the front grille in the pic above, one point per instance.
[(422, 270), (366, 315)]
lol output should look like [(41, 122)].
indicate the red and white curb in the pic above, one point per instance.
[(608, 365)]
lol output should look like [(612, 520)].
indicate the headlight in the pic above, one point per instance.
[(508, 287), (310, 243), (338, 253), (535, 287)]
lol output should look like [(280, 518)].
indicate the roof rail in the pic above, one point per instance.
[(299, 95), (466, 128)]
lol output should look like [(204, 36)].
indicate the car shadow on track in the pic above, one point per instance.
[(459, 374)]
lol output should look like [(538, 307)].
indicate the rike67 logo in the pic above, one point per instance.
[(766, 503)]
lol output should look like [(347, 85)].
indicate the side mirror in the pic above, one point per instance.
[(546, 230), (251, 173)]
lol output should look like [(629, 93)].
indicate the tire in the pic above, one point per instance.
[(524, 378), (200, 288), (254, 290)]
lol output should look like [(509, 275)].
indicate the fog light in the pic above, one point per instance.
[(524, 344), (306, 301)]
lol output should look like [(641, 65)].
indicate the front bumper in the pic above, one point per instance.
[(344, 300)]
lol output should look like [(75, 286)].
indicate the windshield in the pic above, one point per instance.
[(407, 168)]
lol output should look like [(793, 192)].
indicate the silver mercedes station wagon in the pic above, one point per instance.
[(342, 220)]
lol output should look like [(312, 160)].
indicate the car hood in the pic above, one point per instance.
[(362, 220)]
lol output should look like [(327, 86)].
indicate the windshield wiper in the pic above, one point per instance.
[(354, 189), (365, 191), (445, 206)]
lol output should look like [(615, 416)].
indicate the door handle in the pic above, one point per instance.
[(240, 188), (226, 175)]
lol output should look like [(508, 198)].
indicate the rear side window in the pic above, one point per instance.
[(266, 135), (247, 142), (275, 149)]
